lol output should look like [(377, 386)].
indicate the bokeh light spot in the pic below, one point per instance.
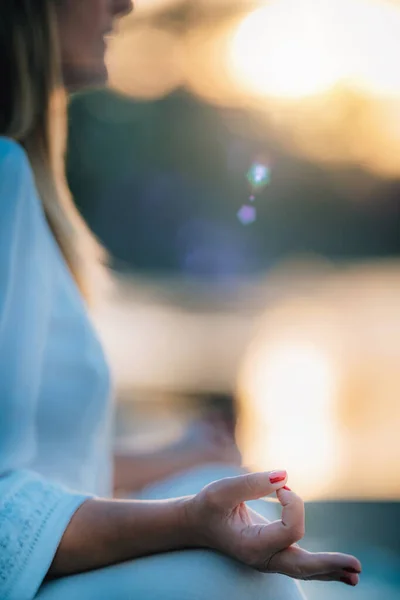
[(284, 50), (247, 214)]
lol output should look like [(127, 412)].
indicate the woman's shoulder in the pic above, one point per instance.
[(12, 154), (17, 186), (15, 170)]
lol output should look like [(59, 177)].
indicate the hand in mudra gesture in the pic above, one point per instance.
[(223, 522)]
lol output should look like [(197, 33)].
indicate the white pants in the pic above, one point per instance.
[(185, 575)]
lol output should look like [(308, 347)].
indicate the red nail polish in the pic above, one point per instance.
[(276, 479), (277, 476), (285, 487)]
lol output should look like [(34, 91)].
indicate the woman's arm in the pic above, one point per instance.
[(204, 443), (132, 472), (34, 511), (104, 532)]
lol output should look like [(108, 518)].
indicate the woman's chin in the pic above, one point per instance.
[(76, 79)]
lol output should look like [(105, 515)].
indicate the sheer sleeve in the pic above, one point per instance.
[(34, 512)]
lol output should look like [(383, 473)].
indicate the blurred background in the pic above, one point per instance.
[(243, 172)]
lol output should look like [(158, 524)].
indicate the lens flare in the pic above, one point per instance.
[(259, 175), (247, 214)]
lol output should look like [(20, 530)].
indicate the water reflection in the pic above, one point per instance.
[(318, 387)]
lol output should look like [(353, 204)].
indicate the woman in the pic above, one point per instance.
[(61, 534)]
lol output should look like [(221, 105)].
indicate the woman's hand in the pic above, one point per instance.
[(209, 442), (203, 443), (223, 522)]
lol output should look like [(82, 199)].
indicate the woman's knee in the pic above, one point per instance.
[(186, 575)]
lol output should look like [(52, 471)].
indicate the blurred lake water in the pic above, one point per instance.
[(369, 530)]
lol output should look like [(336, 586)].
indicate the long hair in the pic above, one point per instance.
[(33, 109)]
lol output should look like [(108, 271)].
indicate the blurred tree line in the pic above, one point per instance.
[(161, 182)]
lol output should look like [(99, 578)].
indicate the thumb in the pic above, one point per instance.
[(231, 491), (281, 534)]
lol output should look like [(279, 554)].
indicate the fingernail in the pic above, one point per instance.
[(351, 570), (285, 487), (277, 476), (347, 581)]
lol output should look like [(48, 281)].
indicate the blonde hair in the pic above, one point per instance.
[(33, 112)]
